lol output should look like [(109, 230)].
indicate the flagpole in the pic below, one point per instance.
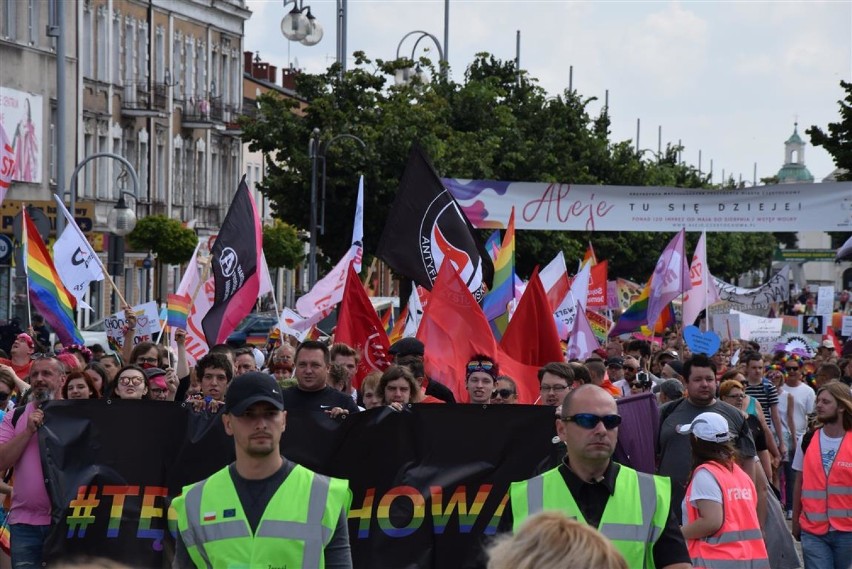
[(25, 258)]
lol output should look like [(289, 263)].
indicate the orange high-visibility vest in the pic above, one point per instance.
[(827, 500), (739, 538)]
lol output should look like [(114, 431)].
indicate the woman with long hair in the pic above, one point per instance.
[(721, 500)]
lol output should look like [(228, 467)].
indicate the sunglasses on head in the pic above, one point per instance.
[(504, 393), (479, 365), (590, 421)]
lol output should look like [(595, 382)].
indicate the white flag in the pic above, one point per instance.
[(358, 228), (576, 297), (703, 291), (415, 313), (265, 278), (582, 342), (291, 323), (7, 163), (76, 262), (328, 292)]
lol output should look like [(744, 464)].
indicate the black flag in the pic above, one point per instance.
[(425, 225), (235, 262)]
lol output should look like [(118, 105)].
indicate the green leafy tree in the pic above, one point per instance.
[(167, 238), (282, 245), (495, 124), (838, 142)]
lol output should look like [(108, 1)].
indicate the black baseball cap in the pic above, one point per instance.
[(615, 361), (247, 389), (407, 347)]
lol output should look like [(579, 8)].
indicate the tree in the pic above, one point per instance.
[(838, 143), (167, 238), (282, 245), (494, 124)]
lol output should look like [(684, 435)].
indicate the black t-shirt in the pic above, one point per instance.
[(322, 400)]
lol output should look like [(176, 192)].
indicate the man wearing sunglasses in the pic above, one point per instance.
[(630, 508), (29, 518)]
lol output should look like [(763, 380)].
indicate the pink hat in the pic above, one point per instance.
[(26, 338)]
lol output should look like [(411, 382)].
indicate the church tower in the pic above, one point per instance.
[(794, 170)]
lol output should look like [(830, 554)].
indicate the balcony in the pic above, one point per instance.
[(138, 100), (203, 113)]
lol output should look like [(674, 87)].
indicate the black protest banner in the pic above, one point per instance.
[(428, 484)]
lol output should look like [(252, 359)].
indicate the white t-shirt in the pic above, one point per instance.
[(704, 487), (804, 399), (828, 447), (624, 386)]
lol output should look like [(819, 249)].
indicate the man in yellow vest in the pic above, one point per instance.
[(262, 510), (632, 509)]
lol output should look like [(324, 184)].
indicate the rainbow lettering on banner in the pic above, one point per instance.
[(443, 506), (151, 502), (47, 294)]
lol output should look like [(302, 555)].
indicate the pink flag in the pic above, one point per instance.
[(7, 164), (670, 278), (582, 342), (328, 292), (702, 292)]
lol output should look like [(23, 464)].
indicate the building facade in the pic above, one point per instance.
[(159, 83)]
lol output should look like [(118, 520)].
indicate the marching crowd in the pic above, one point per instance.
[(744, 441)]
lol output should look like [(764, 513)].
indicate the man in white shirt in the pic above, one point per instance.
[(795, 402)]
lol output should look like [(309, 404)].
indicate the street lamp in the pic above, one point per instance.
[(317, 151), (300, 25), (406, 75), (121, 219)]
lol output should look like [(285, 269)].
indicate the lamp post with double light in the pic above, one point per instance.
[(406, 75)]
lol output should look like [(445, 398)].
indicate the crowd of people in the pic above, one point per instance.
[(746, 439)]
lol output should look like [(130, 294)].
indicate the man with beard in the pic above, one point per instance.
[(630, 508), (20, 353), (29, 518), (262, 510)]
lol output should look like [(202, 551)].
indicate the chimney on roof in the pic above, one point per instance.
[(288, 78), (272, 74), (248, 62)]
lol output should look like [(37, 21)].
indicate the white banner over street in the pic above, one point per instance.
[(568, 207), (774, 290)]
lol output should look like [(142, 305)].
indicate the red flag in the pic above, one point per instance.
[(454, 328), (531, 337), (597, 297), (359, 326), (829, 335), (235, 263)]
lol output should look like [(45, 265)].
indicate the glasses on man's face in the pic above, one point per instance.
[(590, 421), (631, 368), (553, 388), (479, 365), (503, 393), (793, 369), (146, 360), (130, 380), (42, 356)]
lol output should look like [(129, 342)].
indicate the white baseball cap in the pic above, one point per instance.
[(708, 426)]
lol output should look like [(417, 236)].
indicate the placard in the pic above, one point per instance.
[(147, 324)]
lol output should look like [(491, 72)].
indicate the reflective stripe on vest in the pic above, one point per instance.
[(197, 535), (729, 564), (826, 499)]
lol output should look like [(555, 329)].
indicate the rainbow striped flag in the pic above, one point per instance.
[(636, 316), (387, 320), (495, 305), (178, 310), (395, 334), (47, 294)]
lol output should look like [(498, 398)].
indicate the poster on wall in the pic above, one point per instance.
[(22, 117)]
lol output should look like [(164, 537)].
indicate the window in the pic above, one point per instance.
[(142, 54), (200, 172), (212, 191), (102, 165), (86, 42), (102, 40), (189, 174), (200, 68), (178, 172), (160, 55), (142, 168), (116, 49), (129, 61), (84, 187), (177, 69), (189, 71), (9, 21), (52, 158), (161, 167), (33, 24)]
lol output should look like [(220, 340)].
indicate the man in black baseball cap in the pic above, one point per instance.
[(253, 493)]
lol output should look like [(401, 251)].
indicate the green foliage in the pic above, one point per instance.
[(492, 125), (167, 238), (282, 245)]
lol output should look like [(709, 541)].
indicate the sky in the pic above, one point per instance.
[(726, 79)]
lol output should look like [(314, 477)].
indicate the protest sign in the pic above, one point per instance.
[(147, 324), (846, 329), (825, 301)]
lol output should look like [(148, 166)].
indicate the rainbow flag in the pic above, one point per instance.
[(493, 245), (178, 310), (47, 294), (636, 316), (387, 320), (398, 328), (495, 305)]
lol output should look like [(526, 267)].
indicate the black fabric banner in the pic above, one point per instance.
[(426, 225), (428, 484)]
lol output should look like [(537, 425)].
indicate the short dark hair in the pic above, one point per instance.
[(581, 372), (244, 351), (215, 360), (751, 356), (559, 369), (222, 349), (831, 370), (313, 345), (508, 380), (397, 372), (413, 363), (641, 346), (698, 360), (143, 347), (345, 350)]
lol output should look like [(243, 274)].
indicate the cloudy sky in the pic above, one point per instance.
[(728, 79)]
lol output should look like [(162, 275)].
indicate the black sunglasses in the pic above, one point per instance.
[(590, 421), (504, 393), (43, 356)]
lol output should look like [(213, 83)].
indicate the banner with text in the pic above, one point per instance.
[(569, 207)]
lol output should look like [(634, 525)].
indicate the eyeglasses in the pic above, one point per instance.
[(636, 385), (479, 365), (736, 395), (553, 388), (504, 393), (792, 368), (43, 356), (145, 360), (590, 421), (631, 368), (127, 380)]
